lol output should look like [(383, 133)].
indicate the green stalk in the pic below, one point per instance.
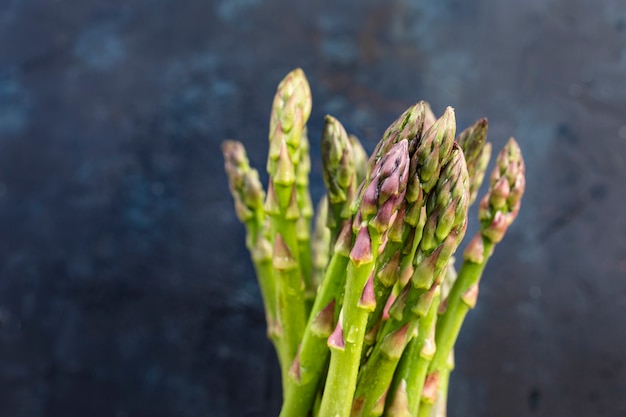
[(291, 303), (290, 111), (262, 261), (291, 308), (248, 195), (307, 371), (460, 300), (416, 358), (377, 373), (375, 376), (346, 345)]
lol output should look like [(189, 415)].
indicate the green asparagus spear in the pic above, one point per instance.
[(290, 111), (497, 211), (477, 152), (248, 194), (379, 200), (338, 167)]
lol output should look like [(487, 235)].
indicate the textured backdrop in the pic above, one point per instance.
[(125, 288)]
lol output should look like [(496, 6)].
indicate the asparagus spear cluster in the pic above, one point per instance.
[(364, 307)]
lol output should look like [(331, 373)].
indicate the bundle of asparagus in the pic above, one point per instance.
[(365, 313)]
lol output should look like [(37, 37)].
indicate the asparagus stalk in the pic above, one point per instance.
[(290, 110), (380, 198), (308, 368), (416, 358), (413, 365), (248, 195), (477, 153), (447, 213), (338, 168), (497, 211), (440, 406)]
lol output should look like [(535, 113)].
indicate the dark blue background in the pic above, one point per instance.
[(125, 288)]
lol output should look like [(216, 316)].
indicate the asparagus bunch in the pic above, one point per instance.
[(365, 309)]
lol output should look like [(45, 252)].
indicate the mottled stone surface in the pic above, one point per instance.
[(125, 288)]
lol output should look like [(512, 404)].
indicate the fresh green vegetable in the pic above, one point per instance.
[(364, 310)]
